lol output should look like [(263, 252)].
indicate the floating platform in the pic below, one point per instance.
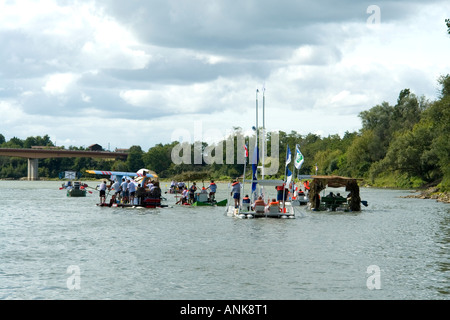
[(247, 213)]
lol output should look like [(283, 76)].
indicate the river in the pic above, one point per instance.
[(56, 247)]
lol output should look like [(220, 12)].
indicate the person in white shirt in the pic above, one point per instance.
[(103, 192), (124, 187), (131, 190), (116, 187)]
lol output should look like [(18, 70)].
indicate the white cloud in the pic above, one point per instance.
[(159, 65), (58, 84)]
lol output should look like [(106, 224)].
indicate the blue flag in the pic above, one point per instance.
[(255, 161), (288, 156), (289, 177)]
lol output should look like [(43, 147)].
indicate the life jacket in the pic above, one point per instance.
[(306, 184), (279, 188), (274, 203), (246, 200), (234, 183)]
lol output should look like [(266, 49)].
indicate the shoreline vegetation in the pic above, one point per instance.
[(402, 146)]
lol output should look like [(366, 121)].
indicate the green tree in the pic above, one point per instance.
[(14, 142), (411, 153), (361, 154), (158, 158), (134, 159), (444, 81)]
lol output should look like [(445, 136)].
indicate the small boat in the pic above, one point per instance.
[(78, 189), (74, 188), (202, 199), (144, 198), (332, 202), (285, 209)]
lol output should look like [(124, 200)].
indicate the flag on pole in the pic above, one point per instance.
[(246, 150), (255, 161), (289, 177), (299, 159), (288, 156)]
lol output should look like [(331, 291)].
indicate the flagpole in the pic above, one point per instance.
[(284, 184), (293, 182), (257, 137), (243, 180), (257, 129), (263, 140)]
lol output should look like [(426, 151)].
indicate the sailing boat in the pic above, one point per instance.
[(265, 209)]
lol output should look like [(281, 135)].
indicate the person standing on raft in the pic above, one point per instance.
[(236, 192)]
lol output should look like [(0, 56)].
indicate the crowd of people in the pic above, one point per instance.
[(128, 191), (188, 194)]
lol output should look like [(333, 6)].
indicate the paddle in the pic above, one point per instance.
[(365, 203), (228, 199)]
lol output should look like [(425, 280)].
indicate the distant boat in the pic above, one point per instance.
[(335, 202), (202, 200), (74, 188), (78, 190), (284, 209)]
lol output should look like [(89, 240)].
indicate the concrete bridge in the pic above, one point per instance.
[(33, 156)]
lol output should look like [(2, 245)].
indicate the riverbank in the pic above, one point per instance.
[(432, 193)]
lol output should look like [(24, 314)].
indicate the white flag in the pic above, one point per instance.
[(299, 159)]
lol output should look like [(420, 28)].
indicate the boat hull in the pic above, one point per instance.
[(222, 203), (287, 213), (146, 203), (129, 205), (76, 193)]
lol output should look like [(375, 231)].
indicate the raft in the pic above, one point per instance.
[(222, 203)]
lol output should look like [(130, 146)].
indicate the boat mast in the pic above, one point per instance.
[(263, 135), (256, 138), (263, 140), (257, 129)]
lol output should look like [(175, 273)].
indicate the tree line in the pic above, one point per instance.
[(403, 145)]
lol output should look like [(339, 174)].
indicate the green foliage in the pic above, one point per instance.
[(134, 160)]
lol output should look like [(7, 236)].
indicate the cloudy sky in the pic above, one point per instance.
[(123, 73)]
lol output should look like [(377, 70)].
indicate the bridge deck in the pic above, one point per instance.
[(34, 154), (52, 153)]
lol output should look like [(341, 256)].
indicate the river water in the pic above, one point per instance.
[(55, 247)]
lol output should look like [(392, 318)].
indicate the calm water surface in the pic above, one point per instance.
[(200, 253)]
